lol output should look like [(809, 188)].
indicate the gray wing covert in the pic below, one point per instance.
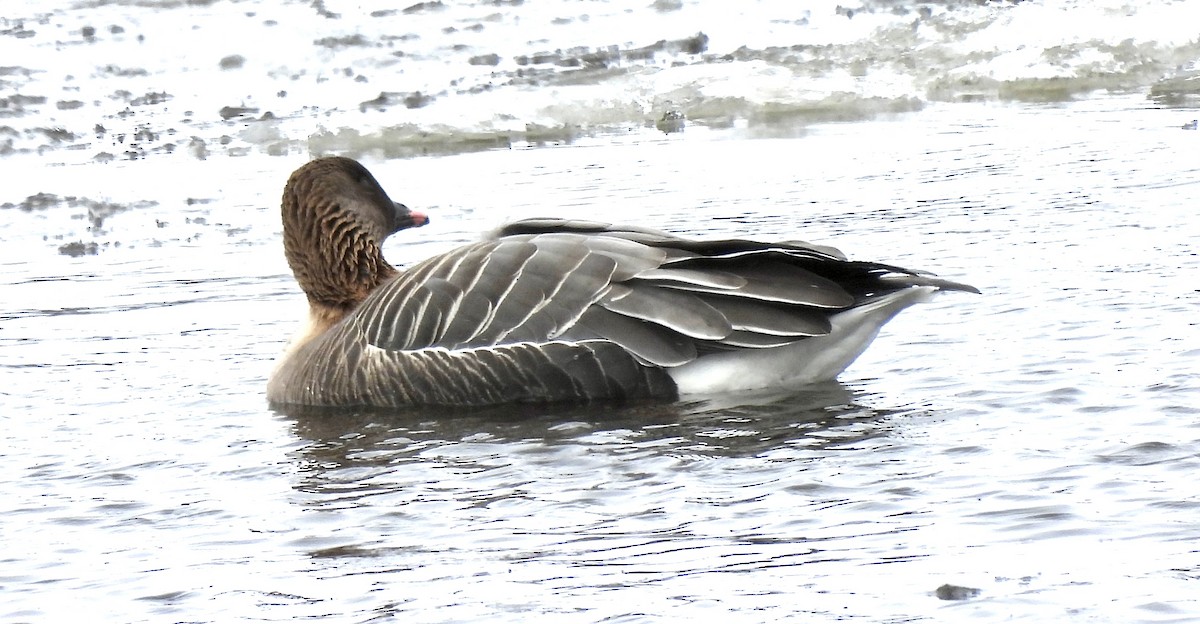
[(518, 289), (497, 322)]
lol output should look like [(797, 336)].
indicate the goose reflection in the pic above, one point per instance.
[(366, 443)]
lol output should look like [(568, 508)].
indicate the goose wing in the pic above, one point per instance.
[(659, 296), (499, 321), (553, 309), (519, 289)]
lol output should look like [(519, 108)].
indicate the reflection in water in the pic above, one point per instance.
[(817, 417), (575, 499)]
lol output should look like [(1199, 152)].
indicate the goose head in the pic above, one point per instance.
[(335, 219)]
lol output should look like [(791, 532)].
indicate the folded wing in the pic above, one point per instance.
[(576, 309)]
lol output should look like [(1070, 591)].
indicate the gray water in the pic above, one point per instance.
[(1036, 443)]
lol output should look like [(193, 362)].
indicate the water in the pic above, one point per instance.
[(1036, 443)]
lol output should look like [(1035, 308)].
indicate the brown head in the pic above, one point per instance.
[(335, 219)]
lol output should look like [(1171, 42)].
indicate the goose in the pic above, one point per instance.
[(561, 310)]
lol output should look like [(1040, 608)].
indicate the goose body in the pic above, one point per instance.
[(559, 310)]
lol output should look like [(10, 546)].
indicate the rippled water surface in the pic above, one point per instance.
[(1036, 444)]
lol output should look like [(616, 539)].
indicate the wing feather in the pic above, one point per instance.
[(751, 340), (577, 289), (769, 280), (774, 319), (650, 342), (711, 279), (677, 310)]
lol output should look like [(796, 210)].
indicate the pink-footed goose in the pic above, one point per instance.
[(560, 310)]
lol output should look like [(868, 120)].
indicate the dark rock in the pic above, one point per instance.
[(956, 592)]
